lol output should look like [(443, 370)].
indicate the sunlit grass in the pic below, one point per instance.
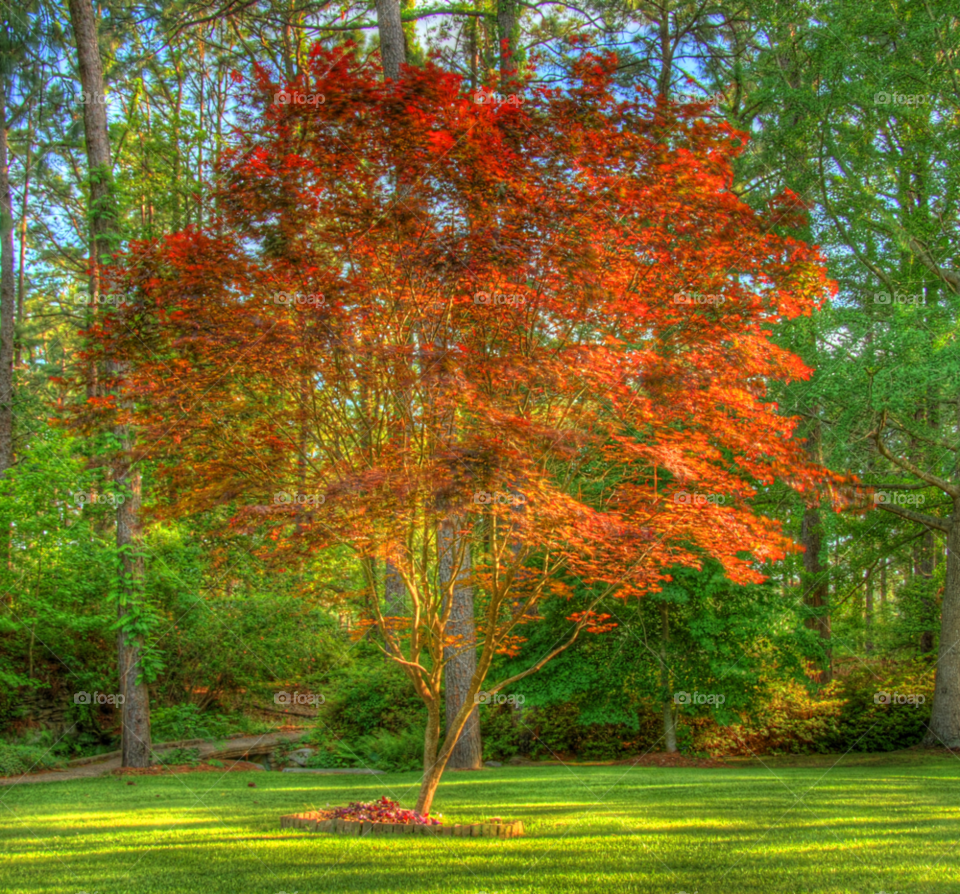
[(864, 826)]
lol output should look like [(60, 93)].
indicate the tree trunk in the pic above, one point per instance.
[(815, 580), (923, 568), (868, 615), (394, 592), (669, 710), (507, 28), (945, 715), (460, 658), (815, 584), (431, 741), (393, 51), (7, 303), (135, 745), (24, 206)]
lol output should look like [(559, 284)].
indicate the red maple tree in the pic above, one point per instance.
[(415, 307)]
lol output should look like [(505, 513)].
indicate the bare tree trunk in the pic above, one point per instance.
[(945, 715), (393, 50), (103, 222), (461, 657), (7, 304), (868, 615)]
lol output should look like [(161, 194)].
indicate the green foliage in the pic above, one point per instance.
[(866, 725), (370, 695), (788, 717), (178, 722), (186, 721), (17, 759), (177, 756)]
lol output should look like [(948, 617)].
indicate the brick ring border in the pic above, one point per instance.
[(365, 828)]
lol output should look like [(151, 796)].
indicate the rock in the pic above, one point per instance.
[(516, 760), (492, 764), (301, 756)]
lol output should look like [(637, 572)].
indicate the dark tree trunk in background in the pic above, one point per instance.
[(394, 592), (7, 303), (103, 223), (461, 658), (669, 706), (944, 726), (393, 50), (815, 578)]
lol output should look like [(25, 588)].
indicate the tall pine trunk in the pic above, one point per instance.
[(815, 579), (393, 48), (944, 726), (135, 744), (7, 304)]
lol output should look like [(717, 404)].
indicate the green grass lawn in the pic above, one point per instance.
[(866, 825)]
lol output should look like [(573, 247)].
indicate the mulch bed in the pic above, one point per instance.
[(162, 769), (668, 759)]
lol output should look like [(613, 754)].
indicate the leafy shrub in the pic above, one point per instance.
[(790, 719), (177, 722), (15, 760), (866, 725), (394, 751), (560, 731), (372, 695), (381, 750), (177, 756)]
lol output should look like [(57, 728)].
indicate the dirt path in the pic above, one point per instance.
[(226, 749)]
